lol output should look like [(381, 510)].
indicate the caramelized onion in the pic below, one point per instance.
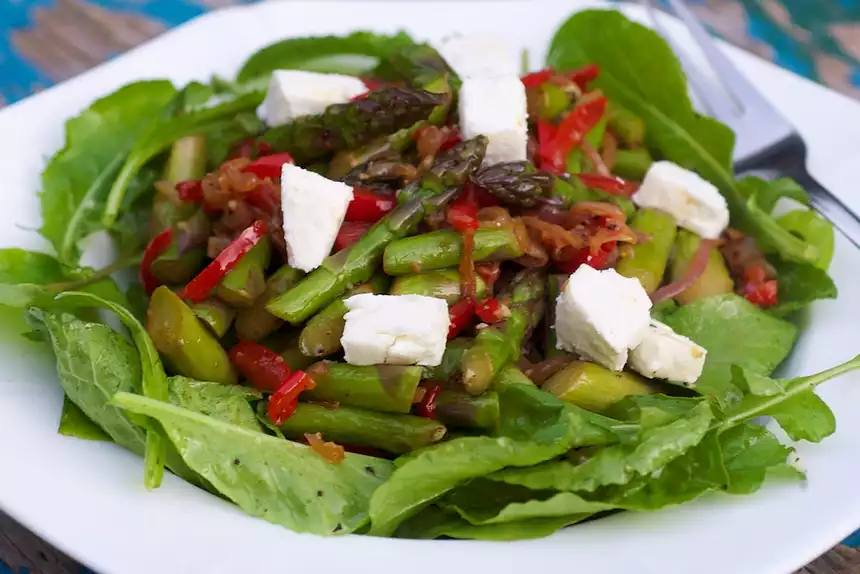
[(587, 211), (332, 452), (542, 371), (621, 233), (697, 266), (468, 287), (555, 238), (534, 254), (610, 146), (495, 217)]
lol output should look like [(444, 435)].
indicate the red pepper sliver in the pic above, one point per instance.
[(582, 76), (265, 369), (190, 190), (537, 79), (284, 401), (427, 406), (762, 294), (575, 125), (199, 287), (490, 310), (350, 232), (268, 165), (156, 247), (489, 272), (368, 206), (610, 184), (584, 256), (460, 316)]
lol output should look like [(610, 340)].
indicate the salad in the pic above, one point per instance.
[(423, 293)]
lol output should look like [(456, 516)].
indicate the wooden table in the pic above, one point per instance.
[(65, 37)]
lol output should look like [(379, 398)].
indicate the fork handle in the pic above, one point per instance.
[(831, 207)]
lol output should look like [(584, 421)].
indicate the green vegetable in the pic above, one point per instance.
[(632, 58), (183, 258), (595, 388), (813, 229), (554, 284), (800, 284), (357, 263), (76, 180), (282, 482), (428, 524), (715, 280), (632, 163), (458, 409), (749, 451), (75, 423), (255, 322), (548, 101), (444, 248), (388, 388), (215, 315), (515, 182), (442, 284), (627, 126), (186, 343), (450, 364), (292, 354), (647, 260), (394, 433), (227, 403), (247, 280), (571, 190)]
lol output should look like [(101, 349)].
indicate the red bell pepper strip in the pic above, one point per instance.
[(372, 84), (264, 368), (584, 256), (156, 247), (491, 311), (190, 190), (368, 206), (350, 232), (463, 211), (427, 406), (610, 184), (545, 135), (199, 287), (762, 294), (269, 165), (537, 79), (572, 130), (460, 316), (250, 147), (284, 401), (583, 75)]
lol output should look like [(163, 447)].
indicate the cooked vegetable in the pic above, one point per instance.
[(457, 409), (387, 388), (595, 388), (648, 259), (443, 284), (255, 322), (247, 280), (444, 248), (214, 314), (714, 280)]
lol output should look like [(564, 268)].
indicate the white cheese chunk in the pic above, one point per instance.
[(480, 55), (314, 208), (395, 330), (664, 354), (695, 204), (601, 315), (496, 108), (293, 93)]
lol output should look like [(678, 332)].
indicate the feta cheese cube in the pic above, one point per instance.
[(293, 93), (695, 204), (496, 108), (664, 354), (395, 330), (601, 315), (314, 208), (480, 55)]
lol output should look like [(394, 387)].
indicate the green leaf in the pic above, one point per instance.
[(800, 284), (735, 332), (76, 180), (768, 193), (277, 480), (749, 451), (74, 423), (356, 54), (228, 403), (639, 71)]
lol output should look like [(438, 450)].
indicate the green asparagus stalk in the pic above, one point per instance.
[(648, 259), (444, 248), (451, 359), (387, 388), (497, 345), (184, 341), (515, 182), (357, 263), (547, 102), (594, 387), (247, 280), (321, 335), (292, 353), (350, 125), (187, 160), (216, 315), (255, 322), (395, 433), (458, 409), (632, 163), (714, 281), (554, 285), (627, 126), (442, 284)]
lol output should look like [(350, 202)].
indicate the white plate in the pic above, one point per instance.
[(88, 498)]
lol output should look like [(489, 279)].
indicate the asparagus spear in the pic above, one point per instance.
[(187, 160), (632, 163), (594, 387), (499, 344), (179, 336), (648, 259), (292, 354), (714, 281), (442, 284), (515, 182), (357, 263), (247, 280), (450, 364), (344, 126), (321, 336), (547, 102), (457, 409), (627, 126), (554, 285), (395, 433), (444, 248), (255, 322), (387, 388), (216, 315)]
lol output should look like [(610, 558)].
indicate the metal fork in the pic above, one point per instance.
[(766, 143)]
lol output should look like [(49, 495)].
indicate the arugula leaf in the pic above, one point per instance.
[(228, 403), (75, 181), (356, 54), (800, 284), (749, 451), (639, 70), (74, 423), (735, 332), (768, 193), (154, 381), (283, 482)]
